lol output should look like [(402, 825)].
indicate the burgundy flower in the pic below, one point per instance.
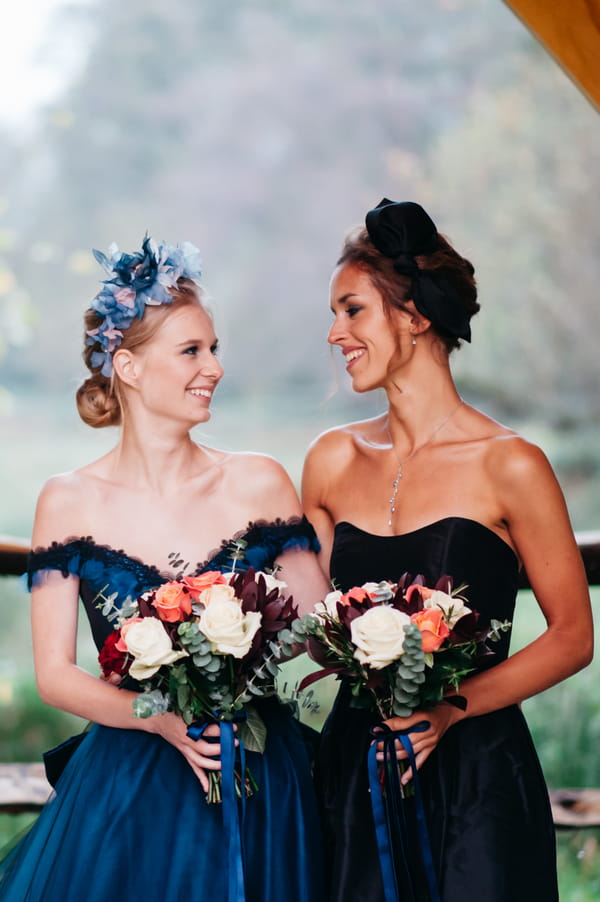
[(111, 659)]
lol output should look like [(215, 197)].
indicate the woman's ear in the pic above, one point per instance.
[(418, 322), (126, 367)]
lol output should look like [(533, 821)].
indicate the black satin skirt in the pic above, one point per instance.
[(486, 804)]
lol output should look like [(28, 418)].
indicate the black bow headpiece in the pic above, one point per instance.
[(403, 231)]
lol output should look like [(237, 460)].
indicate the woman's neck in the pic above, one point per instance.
[(159, 459), (418, 406)]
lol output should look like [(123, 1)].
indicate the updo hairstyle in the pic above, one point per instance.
[(395, 289), (99, 398)]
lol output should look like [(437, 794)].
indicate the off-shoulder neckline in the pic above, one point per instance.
[(165, 575)]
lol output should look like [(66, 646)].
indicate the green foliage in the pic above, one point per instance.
[(28, 726), (253, 731), (410, 675), (564, 720), (478, 123)]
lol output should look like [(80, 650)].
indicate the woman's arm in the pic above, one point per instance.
[(61, 683), (269, 494), (315, 480), (537, 519), (301, 572)]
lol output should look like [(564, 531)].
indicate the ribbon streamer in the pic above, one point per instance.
[(389, 815), (231, 816)]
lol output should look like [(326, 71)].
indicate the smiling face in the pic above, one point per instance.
[(177, 371), (370, 338)]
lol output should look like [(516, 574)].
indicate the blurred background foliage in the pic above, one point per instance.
[(261, 131)]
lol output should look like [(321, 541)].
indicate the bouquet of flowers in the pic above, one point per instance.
[(204, 647), (400, 645)]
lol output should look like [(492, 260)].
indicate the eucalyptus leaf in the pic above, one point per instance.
[(275, 649), (255, 690), (201, 660), (253, 731)]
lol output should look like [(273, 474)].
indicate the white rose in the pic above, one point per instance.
[(329, 604), (219, 592), (272, 582), (229, 630), (379, 635), (452, 608), (150, 646)]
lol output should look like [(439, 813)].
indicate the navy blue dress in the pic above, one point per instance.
[(129, 822), (485, 797)]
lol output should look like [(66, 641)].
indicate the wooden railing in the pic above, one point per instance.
[(23, 787), (13, 556)]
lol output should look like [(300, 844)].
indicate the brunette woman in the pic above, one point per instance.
[(433, 486)]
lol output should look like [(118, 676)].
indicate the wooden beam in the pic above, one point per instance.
[(23, 787), (570, 32), (575, 807), (13, 556)]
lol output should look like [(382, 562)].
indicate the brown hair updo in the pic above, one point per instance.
[(99, 398), (395, 288)]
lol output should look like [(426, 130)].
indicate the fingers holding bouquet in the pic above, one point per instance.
[(403, 648), (431, 724), (202, 754), (203, 649)]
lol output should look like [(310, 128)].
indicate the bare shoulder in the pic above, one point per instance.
[(59, 506), (264, 484), (514, 459), (251, 465), (342, 440)]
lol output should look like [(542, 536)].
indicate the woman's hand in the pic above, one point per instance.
[(200, 754), (439, 719)]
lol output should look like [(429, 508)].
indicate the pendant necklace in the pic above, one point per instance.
[(405, 460)]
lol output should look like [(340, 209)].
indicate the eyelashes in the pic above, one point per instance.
[(192, 350)]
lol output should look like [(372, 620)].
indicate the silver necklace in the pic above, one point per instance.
[(405, 460)]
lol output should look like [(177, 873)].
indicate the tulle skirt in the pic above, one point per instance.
[(129, 822)]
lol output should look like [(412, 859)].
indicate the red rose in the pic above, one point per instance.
[(111, 659)]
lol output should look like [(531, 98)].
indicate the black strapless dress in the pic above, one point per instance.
[(485, 797)]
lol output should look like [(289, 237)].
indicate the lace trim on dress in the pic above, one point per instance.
[(262, 538), (300, 534)]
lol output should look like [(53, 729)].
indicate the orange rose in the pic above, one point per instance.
[(172, 601), (433, 628), (356, 594), (197, 584)]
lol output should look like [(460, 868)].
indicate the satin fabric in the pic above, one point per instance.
[(129, 822), (486, 802)]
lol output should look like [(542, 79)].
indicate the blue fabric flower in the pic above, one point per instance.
[(136, 281)]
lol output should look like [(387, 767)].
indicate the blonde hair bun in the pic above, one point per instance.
[(97, 403)]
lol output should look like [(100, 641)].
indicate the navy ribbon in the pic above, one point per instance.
[(389, 814), (231, 815)]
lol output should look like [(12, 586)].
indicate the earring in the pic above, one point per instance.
[(414, 341)]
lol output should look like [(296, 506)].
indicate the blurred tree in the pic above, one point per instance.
[(263, 130)]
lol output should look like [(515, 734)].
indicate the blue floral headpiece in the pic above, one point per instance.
[(136, 280)]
